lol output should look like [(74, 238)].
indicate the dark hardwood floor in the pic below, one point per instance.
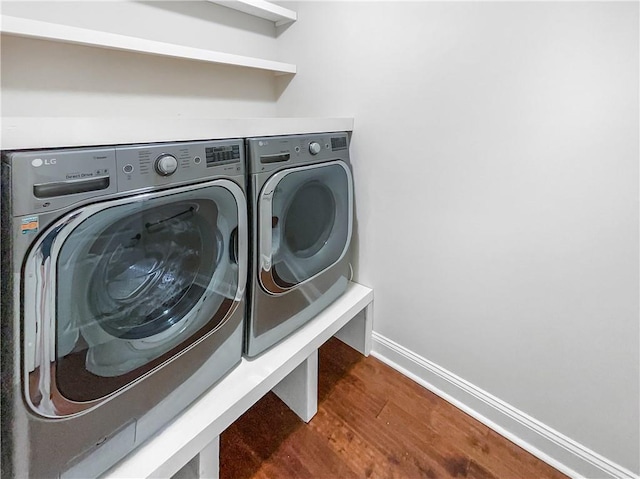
[(372, 422)]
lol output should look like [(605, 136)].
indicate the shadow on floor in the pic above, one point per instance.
[(260, 432)]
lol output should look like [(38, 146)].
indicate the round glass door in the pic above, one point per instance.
[(152, 268), (309, 223), (309, 219), (140, 280)]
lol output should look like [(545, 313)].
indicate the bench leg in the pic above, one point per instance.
[(299, 390), (209, 461), (357, 332)]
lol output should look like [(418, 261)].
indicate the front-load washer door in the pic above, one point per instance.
[(123, 286), (304, 225)]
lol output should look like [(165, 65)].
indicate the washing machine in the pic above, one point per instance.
[(123, 278), (301, 205)]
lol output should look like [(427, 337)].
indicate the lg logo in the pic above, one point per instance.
[(39, 162)]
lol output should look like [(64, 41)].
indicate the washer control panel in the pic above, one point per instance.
[(143, 166), (48, 180)]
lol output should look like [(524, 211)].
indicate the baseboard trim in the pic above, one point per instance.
[(544, 442)]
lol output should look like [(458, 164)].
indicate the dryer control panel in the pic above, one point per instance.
[(273, 153)]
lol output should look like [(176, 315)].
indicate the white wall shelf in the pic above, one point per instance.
[(198, 427), (42, 132), (263, 9), (25, 27)]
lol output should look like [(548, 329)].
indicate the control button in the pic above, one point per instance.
[(127, 169), (314, 148), (166, 165), (197, 160)]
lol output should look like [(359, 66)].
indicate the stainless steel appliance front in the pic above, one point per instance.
[(301, 195), (126, 268)]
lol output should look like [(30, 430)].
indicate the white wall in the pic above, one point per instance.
[(495, 154), (49, 79)]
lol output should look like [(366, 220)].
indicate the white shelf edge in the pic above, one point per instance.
[(25, 27), (262, 9), (165, 453), (56, 132)]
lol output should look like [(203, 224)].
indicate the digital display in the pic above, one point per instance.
[(220, 155), (339, 143)]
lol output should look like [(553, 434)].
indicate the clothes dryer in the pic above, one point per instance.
[(301, 197), (123, 275)]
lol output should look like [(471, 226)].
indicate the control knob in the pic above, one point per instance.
[(166, 164), (314, 148)]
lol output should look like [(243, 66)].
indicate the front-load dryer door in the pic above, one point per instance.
[(126, 285), (304, 224)]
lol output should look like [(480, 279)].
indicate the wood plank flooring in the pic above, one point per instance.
[(372, 422)]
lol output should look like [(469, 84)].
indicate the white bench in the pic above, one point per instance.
[(289, 369)]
